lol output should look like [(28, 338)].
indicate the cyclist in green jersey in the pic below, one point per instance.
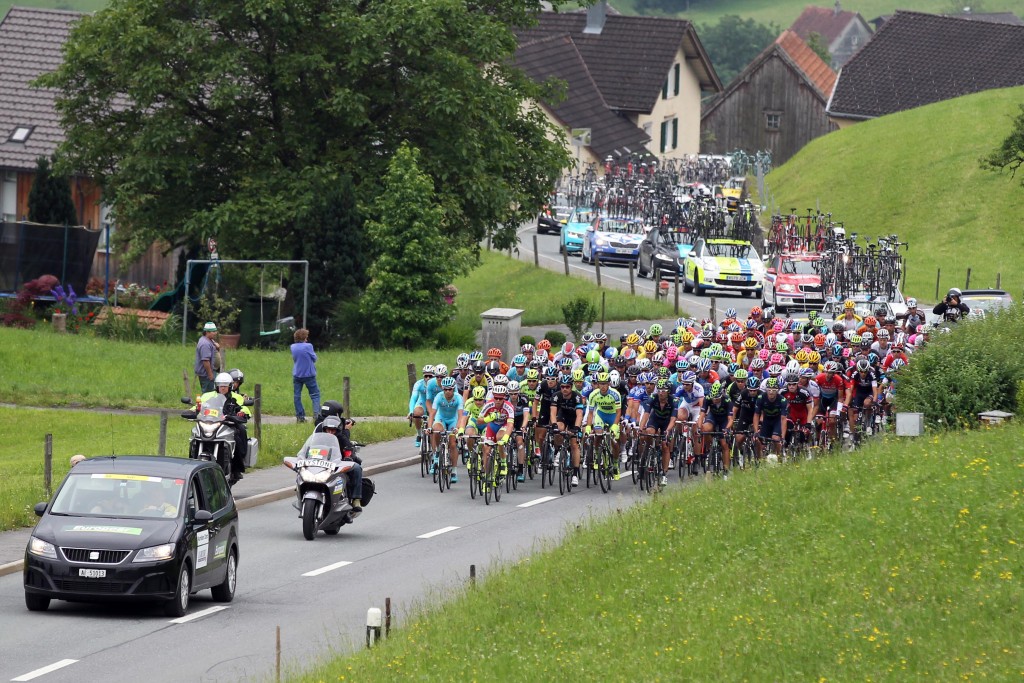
[(604, 411)]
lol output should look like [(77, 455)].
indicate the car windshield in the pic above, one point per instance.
[(799, 267), (561, 212), (621, 226), (731, 250), (119, 495), (678, 237), (583, 216), (987, 303)]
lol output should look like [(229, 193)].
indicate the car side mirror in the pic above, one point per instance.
[(202, 517), (40, 509), (770, 271), (186, 400), (249, 401)]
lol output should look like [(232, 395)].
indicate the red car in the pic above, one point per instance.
[(791, 282)]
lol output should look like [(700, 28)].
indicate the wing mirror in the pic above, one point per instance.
[(186, 400), (40, 509), (202, 517)]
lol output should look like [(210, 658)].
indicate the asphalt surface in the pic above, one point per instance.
[(412, 544), (617, 277)]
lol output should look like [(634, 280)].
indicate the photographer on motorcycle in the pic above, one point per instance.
[(332, 425), (235, 409), (951, 308)]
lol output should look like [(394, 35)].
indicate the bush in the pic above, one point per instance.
[(555, 337), (978, 366), (527, 339), (579, 316), (455, 336)]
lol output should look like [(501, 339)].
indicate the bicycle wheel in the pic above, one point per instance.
[(543, 464), (604, 467), (442, 474), (497, 459), (650, 468), (512, 478), (423, 459), (634, 462), (487, 479), (588, 461), (471, 474), (560, 465)]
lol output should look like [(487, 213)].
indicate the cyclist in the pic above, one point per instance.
[(444, 416), (912, 318), (522, 404), (715, 416), (770, 412), (800, 406), (832, 396), (567, 413), (744, 402), (659, 417), (850, 319), (604, 409), (418, 399), (494, 355), (863, 388), (470, 412), (479, 378), (499, 416), (545, 399)]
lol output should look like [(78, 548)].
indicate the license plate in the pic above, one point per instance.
[(93, 573), (736, 278), (623, 251)]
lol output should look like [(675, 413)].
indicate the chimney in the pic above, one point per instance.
[(596, 15)]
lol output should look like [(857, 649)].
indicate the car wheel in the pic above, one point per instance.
[(561, 248), (178, 605), (36, 602), (225, 592), (687, 287), (778, 309), (640, 268)]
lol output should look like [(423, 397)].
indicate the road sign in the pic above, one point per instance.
[(580, 137)]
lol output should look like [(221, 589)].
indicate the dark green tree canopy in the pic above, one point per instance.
[(223, 117), (1009, 154), (733, 43), (49, 200)]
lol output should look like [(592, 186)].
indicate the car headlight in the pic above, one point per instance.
[(320, 477), (659, 255), (600, 242), (788, 288), (38, 546), (709, 264), (155, 553)]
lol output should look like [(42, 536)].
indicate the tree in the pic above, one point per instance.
[(817, 43), (733, 43), (1010, 154), (334, 242), (224, 118), (579, 316), (416, 257), (49, 200)]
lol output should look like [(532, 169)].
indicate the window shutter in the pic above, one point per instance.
[(664, 136), (664, 89), (675, 75), (675, 133)]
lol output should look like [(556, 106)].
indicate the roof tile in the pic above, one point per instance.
[(826, 22), (807, 60)]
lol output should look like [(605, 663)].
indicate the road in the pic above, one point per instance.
[(412, 544), (617, 277)]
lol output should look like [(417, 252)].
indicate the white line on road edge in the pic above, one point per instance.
[(538, 501), (45, 670), (439, 532), (328, 568), (198, 615)]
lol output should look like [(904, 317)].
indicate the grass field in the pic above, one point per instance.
[(900, 562), (509, 283), (916, 174), (23, 433)]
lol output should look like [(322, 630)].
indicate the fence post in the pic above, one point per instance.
[(632, 285), (257, 415), (602, 310), (536, 252), (714, 312), (345, 393), (999, 280), (411, 370), (277, 656), (968, 284), (565, 260), (677, 293), (162, 447), (938, 272), (597, 269), (48, 464), (656, 276), (387, 617)]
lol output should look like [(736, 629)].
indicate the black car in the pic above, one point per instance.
[(552, 218), (666, 249), (135, 528)]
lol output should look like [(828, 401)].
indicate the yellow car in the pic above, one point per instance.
[(723, 264)]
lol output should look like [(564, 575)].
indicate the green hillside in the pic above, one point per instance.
[(916, 174), (77, 5), (899, 562)]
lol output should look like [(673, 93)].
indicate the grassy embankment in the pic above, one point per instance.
[(902, 561), (916, 174), (23, 431)]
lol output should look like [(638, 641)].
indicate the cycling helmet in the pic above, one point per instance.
[(801, 356), (564, 381), (769, 312), (808, 373), (532, 374), (716, 391), (750, 343), (594, 368), (911, 302), (568, 348), (601, 337), (633, 339), (479, 366), (500, 379), (740, 374), (707, 334), (448, 383), (519, 360), (632, 371), (611, 353), (527, 348), (852, 337), (428, 369), (513, 387), (499, 390), (441, 370), (775, 370), (613, 377), (871, 321), (830, 339), (883, 334), (650, 346), (838, 328), (643, 363), (494, 352), (814, 358), (663, 372), (551, 372), (849, 305), (793, 366), (782, 347), (544, 345), (863, 365), (704, 365), (756, 365), (476, 355), (462, 363), (777, 359), (222, 379), (642, 333), (655, 330), (753, 382), (566, 363), (897, 364), (806, 339), (831, 366), (663, 385), (772, 384), (479, 392), (733, 367), (603, 377), (493, 368), (627, 354), (658, 358), (837, 349), (671, 354), (588, 338), (689, 377), (764, 354), (619, 362), (792, 378), (756, 312)]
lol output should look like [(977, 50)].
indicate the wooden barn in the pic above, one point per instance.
[(777, 103)]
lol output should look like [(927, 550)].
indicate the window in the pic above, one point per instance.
[(671, 85), (669, 135), (21, 133), (9, 197), (772, 120), (675, 79), (664, 89), (675, 133), (214, 488)]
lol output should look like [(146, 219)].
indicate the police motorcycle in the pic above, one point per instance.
[(322, 475), (213, 435)]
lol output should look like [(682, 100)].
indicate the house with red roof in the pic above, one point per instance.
[(776, 103), (843, 31)]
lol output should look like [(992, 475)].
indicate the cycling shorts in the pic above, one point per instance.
[(771, 427), (492, 430), (544, 419), (658, 425), (858, 399), (828, 403), (601, 419), (471, 424), (568, 419), (718, 423), (447, 423)]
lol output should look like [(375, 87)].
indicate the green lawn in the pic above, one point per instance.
[(900, 562), (77, 5), (23, 433), (916, 174), (502, 282)]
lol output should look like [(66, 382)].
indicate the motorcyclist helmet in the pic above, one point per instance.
[(222, 379), (237, 376)]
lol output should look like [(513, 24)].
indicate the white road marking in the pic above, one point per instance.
[(328, 568), (45, 670), (198, 615), (538, 501), (438, 532)]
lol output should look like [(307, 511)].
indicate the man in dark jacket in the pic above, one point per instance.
[(951, 308)]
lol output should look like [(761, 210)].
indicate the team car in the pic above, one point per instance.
[(135, 528), (613, 240), (552, 218), (792, 283), (665, 250), (571, 240), (723, 265)]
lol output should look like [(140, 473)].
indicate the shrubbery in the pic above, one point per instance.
[(555, 337), (978, 366), (527, 339)]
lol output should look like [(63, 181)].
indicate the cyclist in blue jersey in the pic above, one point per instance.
[(444, 416), (418, 400)]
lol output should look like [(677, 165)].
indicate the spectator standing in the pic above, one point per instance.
[(304, 374), (206, 350)]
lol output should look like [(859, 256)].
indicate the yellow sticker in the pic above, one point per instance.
[(318, 452), (211, 412), (127, 477)]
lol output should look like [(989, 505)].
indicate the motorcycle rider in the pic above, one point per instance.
[(234, 407), (332, 425)]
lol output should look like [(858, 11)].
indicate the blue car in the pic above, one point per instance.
[(571, 241), (614, 240)]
